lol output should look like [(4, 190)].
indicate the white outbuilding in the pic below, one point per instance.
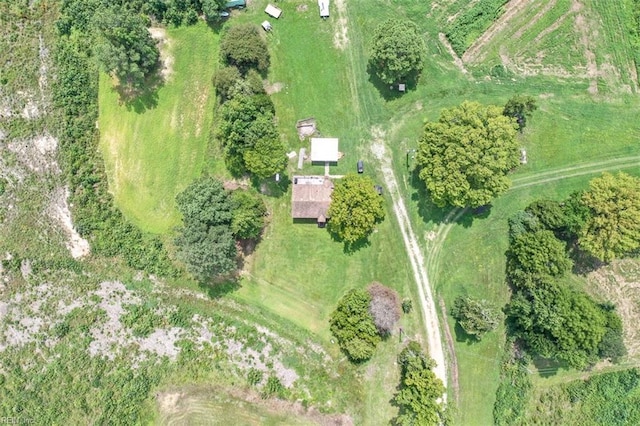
[(324, 8), (324, 150), (273, 11)]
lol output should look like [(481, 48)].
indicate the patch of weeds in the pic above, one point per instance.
[(141, 319), (3, 185), (273, 387), (181, 317), (254, 376)]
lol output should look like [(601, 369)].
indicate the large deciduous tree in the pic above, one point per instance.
[(613, 228), (476, 317), (243, 47), (205, 242), (355, 208), (398, 50), (124, 46), (465, 156), (420, 390), (352, 325)]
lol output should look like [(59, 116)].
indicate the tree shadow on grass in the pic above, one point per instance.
[(350, 248), (216, 289), (547, 367), (429, 212), (391, 91), (270, 187), (141, 99), (583, 262), (462, 336)]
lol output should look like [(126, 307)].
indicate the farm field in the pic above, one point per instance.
[(586, 123)]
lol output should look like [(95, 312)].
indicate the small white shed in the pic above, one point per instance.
[(324, 150), (273, 11), (324, 8), (266, 25)]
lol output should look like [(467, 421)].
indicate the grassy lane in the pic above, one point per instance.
[(155, 147)]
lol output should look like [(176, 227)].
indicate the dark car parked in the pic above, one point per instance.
[(360, 166)]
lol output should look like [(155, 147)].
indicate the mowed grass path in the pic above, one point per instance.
[(152, 152)]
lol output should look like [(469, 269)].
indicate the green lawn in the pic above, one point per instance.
[(155, 147)]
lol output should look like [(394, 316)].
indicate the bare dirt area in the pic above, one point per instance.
[(164, 45), (59, 209), (418, 265), (272, 88), (473, 53), (619, 283)]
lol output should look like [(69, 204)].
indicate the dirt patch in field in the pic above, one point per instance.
[(272, 88), (340, 37), (59, 210), (473, 53), (164, 45), (619, 283), (302, 7)]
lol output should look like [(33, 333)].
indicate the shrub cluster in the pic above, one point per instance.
[(420, 390)]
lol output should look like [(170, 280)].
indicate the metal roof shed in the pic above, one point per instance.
[(324, 150), (271, 10)]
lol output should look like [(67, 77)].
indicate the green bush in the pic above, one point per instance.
[(141, 319), (254, 376), (353, 326), (472, 22)]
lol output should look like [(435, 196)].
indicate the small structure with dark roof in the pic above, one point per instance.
[(311, 198)]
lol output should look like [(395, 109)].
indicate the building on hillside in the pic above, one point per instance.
[(324, 150), (273, 11), (311, 198), (323, 5)]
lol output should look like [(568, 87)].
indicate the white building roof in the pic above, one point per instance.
[(273, 11), (324, 8), (324, 150)]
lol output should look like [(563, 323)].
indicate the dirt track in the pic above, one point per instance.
[(427, 303)]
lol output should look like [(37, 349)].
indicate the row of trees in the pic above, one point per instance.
[(247, 129), (553, 319), (213, 219)]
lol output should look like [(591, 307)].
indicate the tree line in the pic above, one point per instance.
[(548, 315)]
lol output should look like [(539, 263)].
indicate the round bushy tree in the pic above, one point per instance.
[(355, 208), (352, 324), (243, 47), (398, 50), (465, 156)]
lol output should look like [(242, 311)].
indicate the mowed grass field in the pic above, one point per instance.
[(154, 148)]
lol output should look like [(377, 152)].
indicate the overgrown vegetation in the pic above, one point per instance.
[(472, 22), (75, 95), (384, 307), (603, 399), (514, 389)]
